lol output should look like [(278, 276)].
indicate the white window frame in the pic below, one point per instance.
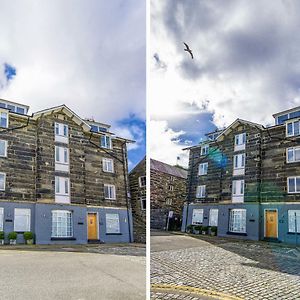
[(3, 111), (68, 217), (143, 199), (238, 191), (111, 191), (4, 181), (5, 148), (204, 150), (22, 212), (171, 188), (61, 129), (105, 165), (105, 144), (141, 181), (197, 216), (291, 220), (202, 169), (239, 161), (240, 141), (213, 217), (233, 213), (295, 184), (61, 154), (293, 127), (293, 150), (110, 230), (169, 201), (1, 219), (201, 191), (66, 180)]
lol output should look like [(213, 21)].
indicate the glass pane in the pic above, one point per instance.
[(298, 184), (2, 148), (282, 119), (296, 128), (297, 154), (291, 185), (291, 155), (290, 129), (20, 110), (295, 114)]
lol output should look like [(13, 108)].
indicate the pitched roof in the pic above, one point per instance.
[(168, 169)]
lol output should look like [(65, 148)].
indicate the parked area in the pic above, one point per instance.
[(207, 267), (73, 272)]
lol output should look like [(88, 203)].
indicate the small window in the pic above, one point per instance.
[(171, 188), (3, 119), (293, 184), (108, 165), (169, 201), (238, 187), (172, 178), (112, 223), (62, 225), (200, 192), (142, 181), (293, 128), (22, 220), (2, 181), (105, 141), (109, 191), (62, 185), (20, 110), (11, 107), (239, 161), (240, 142), (61, 155), (94, 128), (293, 154), (3, 148), (197, 217), (213, 217), (204, 149), (1, 218), (143, 202), (237, 220), (294, 220), (203, 169), (61, 129)]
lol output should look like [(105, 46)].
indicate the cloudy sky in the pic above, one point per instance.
[(246, 65), (89, 55)]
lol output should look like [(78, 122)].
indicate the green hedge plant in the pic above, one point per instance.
[(2, 236), (28, 235)]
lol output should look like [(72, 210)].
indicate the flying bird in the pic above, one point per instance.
[(188, 50)]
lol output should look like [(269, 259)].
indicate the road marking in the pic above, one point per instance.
[(190, 289)]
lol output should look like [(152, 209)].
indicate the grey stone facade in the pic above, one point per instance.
[(30, 169)]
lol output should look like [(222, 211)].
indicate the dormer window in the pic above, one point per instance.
[(240, 142), (3, 119), (293, 128), (105, 141)]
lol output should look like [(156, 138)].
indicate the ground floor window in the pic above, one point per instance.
[(237, 220), (112, 223), (62, 225), (1, 218), (197, 217), (22, 220), (294, 220), (213, 217)]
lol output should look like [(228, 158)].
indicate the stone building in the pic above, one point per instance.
[(137, 182), (245, 179), (167, 195), (62, 177)]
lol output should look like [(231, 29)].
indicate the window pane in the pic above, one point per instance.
[(112, 223), (298, 184), (291, 185), (22, 220), (66, 186), (62, 224), (2, 148), (20, 110), (1, 218), (3, 119), (297, 154), (2, 181), (11, 107), (197, 217), (65, 130), (56, 128), (65, 155), (281, 119), (57, 189), (290, 128), (296, 128), (290, 155), (57, 154)]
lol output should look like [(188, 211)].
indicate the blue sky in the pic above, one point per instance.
[(89, 55)]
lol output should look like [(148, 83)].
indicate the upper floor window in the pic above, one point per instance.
[(61, 155), (3, 148), (293, 184), (240, 142), (105, 141), (108, 165), (143, 202), (197, 216), (62, 186), (168, 201), (172, 178), (142, 181), (3, 119), (203, 169), (61, 133), (204, 149), (171, 188), (293, 128), (239, 164), (200, 191), (238, 191), (293, 154), (22, 219), (109, 191), (2, 181)]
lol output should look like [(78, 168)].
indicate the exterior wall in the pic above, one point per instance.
[(136, 192), (159, 193)]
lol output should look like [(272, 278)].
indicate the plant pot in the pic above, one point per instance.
[(12, 242), (29, 242), (1, 242)]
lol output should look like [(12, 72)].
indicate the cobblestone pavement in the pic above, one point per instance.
[(222, 269)]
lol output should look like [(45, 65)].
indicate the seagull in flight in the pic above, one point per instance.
[(188, 50)]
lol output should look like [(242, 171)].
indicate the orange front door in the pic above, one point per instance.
[(271, 224), (92, 227)]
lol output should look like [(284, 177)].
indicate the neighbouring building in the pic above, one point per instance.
[(245, 179), (167, 195), (137, 181), (62, 177)]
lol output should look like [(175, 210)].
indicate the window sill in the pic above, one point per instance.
[(237, 233), (113, 233), (294, 233), (63, 239)]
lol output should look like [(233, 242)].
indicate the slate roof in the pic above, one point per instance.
[(168, 169)]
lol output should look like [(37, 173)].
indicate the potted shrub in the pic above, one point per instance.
[(197, 229), (28, 237), (189, 229), (213, 230), (12, 236), (204, 229), (2, 237)]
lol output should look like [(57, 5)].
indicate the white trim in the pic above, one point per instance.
[(5, 148), (1, 173), (265, 220)]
